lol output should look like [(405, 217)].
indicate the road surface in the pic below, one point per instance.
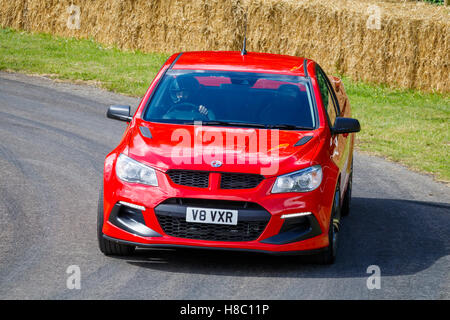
[(53, 139)]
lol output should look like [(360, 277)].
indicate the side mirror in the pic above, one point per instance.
[(119, 112), (345, 125)]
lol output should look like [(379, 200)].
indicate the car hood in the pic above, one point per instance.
[(241, 150)]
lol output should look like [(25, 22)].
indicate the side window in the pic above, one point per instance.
[(327, 97)]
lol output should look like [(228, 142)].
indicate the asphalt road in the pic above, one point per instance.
[(53, 139)]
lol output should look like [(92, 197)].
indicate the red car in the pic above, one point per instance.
[(231, 150)]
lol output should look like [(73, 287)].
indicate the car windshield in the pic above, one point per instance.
[(233, 99)]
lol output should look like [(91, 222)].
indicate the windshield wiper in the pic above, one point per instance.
[(232, 124), (288, 127), (249, 124)]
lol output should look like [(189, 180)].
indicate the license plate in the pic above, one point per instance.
[(210, 215)]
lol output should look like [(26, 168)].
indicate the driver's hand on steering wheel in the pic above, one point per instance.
[(203, 110)]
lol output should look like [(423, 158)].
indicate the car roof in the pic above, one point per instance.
[(235, 61)]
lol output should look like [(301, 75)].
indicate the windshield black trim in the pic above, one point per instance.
[(305, 67), (157, 85), (175, 61), (314, 103)]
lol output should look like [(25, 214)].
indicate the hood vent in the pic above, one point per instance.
[(145, 132)]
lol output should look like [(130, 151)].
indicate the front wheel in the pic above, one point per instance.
[(329, 255), (109, 248)]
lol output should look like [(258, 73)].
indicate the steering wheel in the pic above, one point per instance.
[(186, 106)]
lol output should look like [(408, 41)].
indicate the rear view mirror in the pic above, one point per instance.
[(119, 112), (345, 125)]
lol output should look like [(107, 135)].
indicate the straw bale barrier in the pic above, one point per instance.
[(410, 49)]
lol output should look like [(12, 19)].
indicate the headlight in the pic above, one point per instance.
[(300, 181), (131, 170)]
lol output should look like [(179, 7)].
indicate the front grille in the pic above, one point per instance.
[(189, 178), (252, 220), (240, 181), (200, 179), (243, 231)]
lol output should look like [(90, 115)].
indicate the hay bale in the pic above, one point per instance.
[(411, 49)]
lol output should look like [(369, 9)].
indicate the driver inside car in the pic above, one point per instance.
[(183, 94)]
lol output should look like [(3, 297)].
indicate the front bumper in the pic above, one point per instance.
[(235, 249), (260, 226)]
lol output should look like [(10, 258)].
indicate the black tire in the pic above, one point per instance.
[(107, 247), (329, 255), (348, 195)]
